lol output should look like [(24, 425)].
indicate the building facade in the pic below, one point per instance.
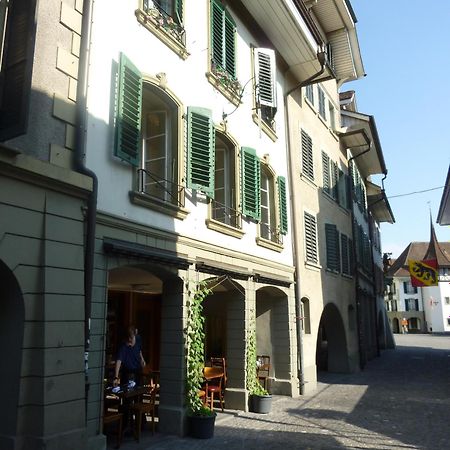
[(153, 145)]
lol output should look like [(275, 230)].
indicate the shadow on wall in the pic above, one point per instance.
[(11, 339)]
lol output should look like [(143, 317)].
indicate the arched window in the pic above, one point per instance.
[(224, 205)]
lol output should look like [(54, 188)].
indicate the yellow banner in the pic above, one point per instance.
[(423, 273)]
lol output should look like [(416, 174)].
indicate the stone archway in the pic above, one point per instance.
[(272, 335), (12, 319), (331, 350)]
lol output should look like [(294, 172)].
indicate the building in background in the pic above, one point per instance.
[(426, 309)]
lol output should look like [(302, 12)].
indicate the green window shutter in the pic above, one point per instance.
[(326, 172), (201, 150), (223, 38), (332, 245), (307, 156), (128, 119), (179, 11), (250, 183), (217, 34), (282, 201), (230, 45), (265, 75)]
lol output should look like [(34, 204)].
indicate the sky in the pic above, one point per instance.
[(405, 47)]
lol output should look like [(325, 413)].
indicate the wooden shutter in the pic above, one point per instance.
[(201, 150), (265, 75), (128, 115), (326, 172), (345, 255), (16, 70), (332, 245), (310, 238), (217, 31), (179, 11), (250, 183), (230, 44), (334, 180), (282, 202), (307, 156)]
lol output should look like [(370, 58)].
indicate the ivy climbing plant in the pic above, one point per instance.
[(253, 385), (195, 347)]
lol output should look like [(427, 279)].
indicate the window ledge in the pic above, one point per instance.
[(150, 22), (266, 128), (224, 228), (324, 121), (266, 243), (310, 104), (308, 180), (231, 95), (332, 272), (148, 201), (313, 266), (347, 276)]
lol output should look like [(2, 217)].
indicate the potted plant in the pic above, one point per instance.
[(260, 400), (201, 419)]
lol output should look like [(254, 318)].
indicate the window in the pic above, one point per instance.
[(311, 238), (164, 18), (447, 300), (265, 85), (309, 92), (268, 224), (223, 41), (358, 188), (147, 136), (411, 304), (332, 112), (307, 156), (306, 322), (224, 206), (408, 288), (322, 112), (448, 321), (17, 34), (332, 246), (326, 173)]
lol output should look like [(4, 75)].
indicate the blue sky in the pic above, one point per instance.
[(405, 46)]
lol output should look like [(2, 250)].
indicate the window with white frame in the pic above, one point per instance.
[(411, 304), (224, 204), (265, 85), (408, 288), (322, 110), (309, 93), (331, 113)]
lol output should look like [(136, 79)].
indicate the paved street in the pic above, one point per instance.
[(400, 401)]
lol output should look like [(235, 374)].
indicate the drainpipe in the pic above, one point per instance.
[(300, 362), (79, 161), (358, 308)]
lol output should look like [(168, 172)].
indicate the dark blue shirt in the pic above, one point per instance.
[(130, 356)]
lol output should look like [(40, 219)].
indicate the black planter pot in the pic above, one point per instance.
[(261, 404), (201, 427)]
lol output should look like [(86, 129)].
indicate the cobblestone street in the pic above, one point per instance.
[(400, 401)]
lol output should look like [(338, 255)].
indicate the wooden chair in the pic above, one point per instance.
[(263, 369), (147, 405), (214, 379), (111, 415)]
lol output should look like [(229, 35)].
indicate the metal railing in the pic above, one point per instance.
[(173, 25), (161, 188), (226, 214)]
